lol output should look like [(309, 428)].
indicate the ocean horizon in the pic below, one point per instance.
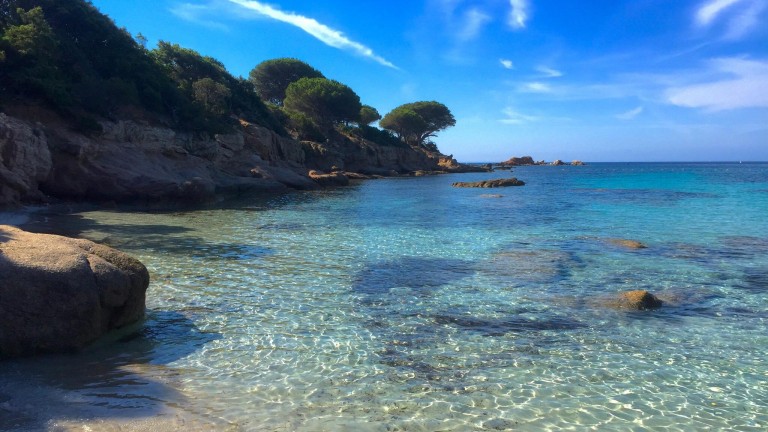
[(408, 304)]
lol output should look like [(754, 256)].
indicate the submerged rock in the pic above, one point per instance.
[(629, 244), (490, 183), (60, 294), (637, 300)]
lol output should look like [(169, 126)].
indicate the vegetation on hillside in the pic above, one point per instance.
[(415, 122), (69, 57), (272, 77)]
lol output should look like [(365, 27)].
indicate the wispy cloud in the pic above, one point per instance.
[(198, 14), (536, 87), (321, 32), (629, 115), (746, 87), (507, 64), (740, 16), (513, 117), (709, 10), (518, 15), (474, 20), (548, 72)]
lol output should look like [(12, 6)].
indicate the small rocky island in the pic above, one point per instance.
[(490, 183), (529, 161)]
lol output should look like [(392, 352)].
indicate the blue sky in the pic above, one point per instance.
[(604, 80)]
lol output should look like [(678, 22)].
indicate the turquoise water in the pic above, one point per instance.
[(406, 304)]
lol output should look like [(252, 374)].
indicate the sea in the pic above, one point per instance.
[(406, 304)]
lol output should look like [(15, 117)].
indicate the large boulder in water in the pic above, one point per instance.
[(60, 294), (637, 300)]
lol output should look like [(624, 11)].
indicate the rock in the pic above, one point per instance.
[(577, 163), (59, 294), (491, 196), (333, 179), (558, 162), (490, 183), (517, 161), (636, 300), (358, 176), (138, 162), (25, 161), (629, 244), (451, 165)]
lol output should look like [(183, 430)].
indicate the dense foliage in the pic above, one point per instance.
[(415, 122), (368, 115), (272, 77), (326, 102), (70, 57)]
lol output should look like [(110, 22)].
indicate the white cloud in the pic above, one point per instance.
[(746, 87), (198, 14), (513, 117), (536, 87), (507, 64), (629, 115), (518, 15), (745, 21), (323, 33), (709, 11), (474, 20), (740, 16), (549, 72)]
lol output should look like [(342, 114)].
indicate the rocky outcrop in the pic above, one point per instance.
[(24, 160), (352, 154), (131, 161), (634, 300), (558, 162), (518, 161), (60, 294), (335, 178), (451, 165), (577, 163), (139, 162), (490, 183)]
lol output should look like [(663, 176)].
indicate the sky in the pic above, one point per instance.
[(604, 80)]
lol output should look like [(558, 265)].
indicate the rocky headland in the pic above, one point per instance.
[(42, 158)]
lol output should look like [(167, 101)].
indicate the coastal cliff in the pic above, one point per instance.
[(134, 161)]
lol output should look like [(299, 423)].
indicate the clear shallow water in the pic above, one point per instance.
[(406, 304)]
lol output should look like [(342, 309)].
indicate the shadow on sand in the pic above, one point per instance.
[(114, 381)]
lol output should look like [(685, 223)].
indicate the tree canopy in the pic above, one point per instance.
[(72, 58), (415, 122), (271, 78), (325, 101), (368, 115)]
